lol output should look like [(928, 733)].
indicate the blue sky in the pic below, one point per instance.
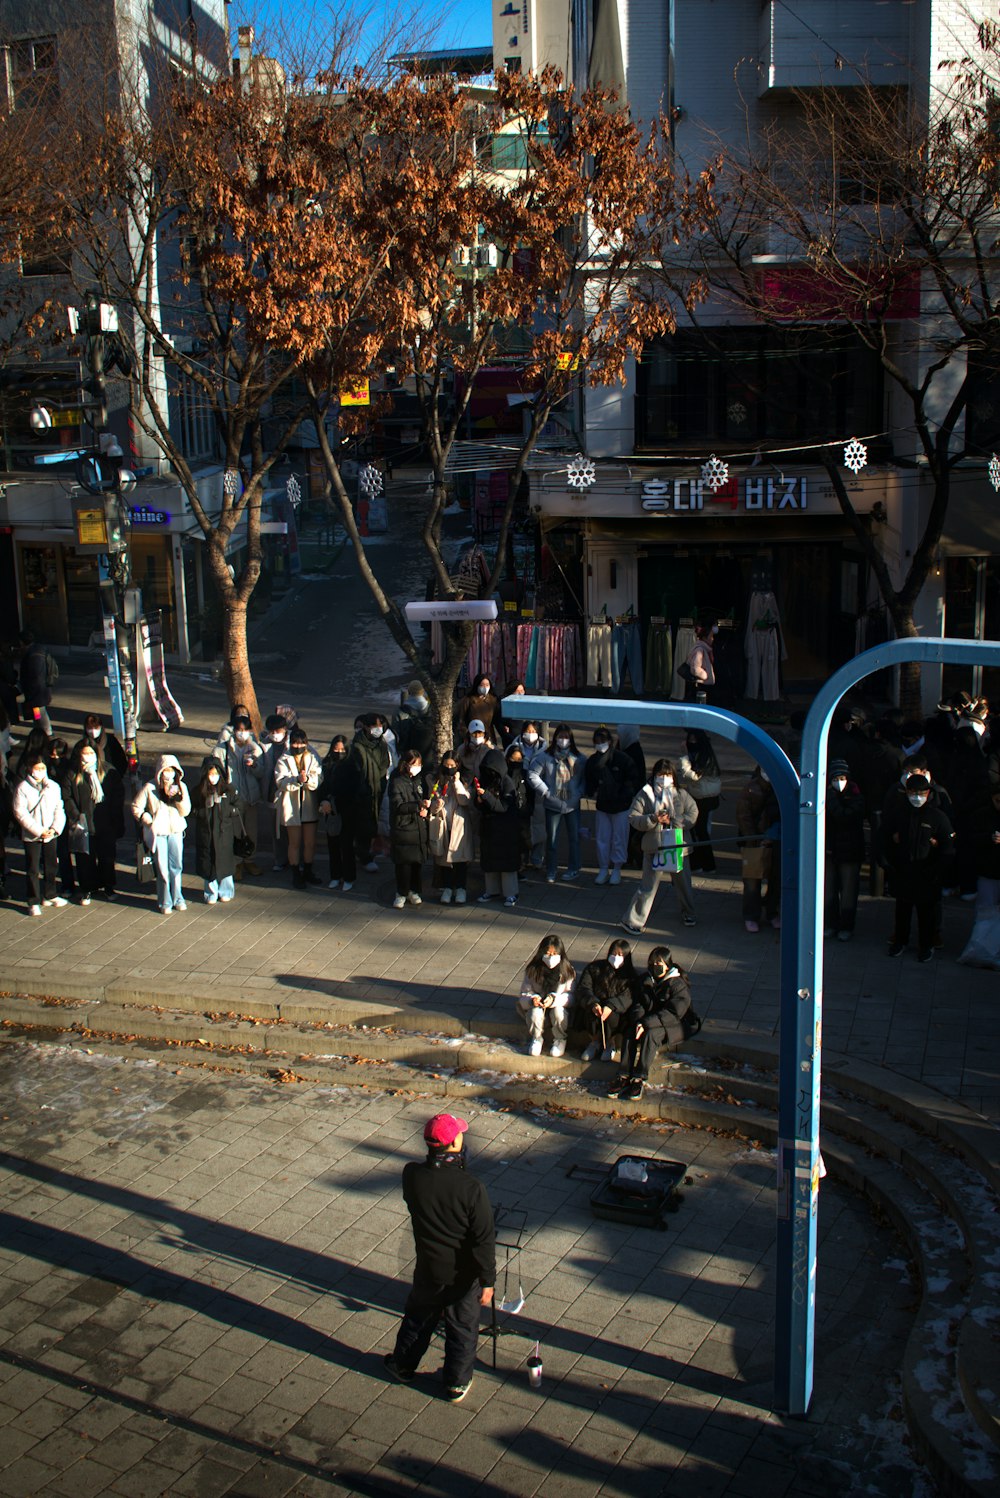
[(450, 23)]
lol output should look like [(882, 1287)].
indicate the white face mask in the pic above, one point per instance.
[(840, 784), (278, 739), (663, 782), (562, 743), (602, 748), (93, 733), (376, 732), (616, 960), (530, 738), (483, 689), (213, 777), (918, 799), (89, 763), (38, 774), (552, 959), (415, 770), (477, 739), (420, 703), (242, 736)]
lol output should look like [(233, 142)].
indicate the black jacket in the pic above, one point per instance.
[(452, 1224), (409, 832), (918, 838), (845, 833), (666, 999), (34, 678), (415, 730), (369, 762), (214, 828), (611, 779), (105, 820), (499, 808), (600, 983)]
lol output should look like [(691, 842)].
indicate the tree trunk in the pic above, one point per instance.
[(909, 671), (236, 674)]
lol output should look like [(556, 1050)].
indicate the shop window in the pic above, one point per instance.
[(41, 593), (754, 385), (153, 572)]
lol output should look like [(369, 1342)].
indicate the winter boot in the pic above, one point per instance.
[(310, 877), (299, 878)]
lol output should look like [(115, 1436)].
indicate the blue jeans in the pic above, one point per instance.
[(553, 821), (220, 889), (168, 860)]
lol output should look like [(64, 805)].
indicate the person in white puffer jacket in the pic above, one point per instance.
[(39, 812), (162, 808)]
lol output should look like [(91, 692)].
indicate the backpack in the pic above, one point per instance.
[(51, 670)]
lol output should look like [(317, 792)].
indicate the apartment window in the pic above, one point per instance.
[(44, 254), (510, 153), (32, 72), (196, 429)]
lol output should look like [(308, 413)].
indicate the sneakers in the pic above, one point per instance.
[(57, 901), (34, 910), (279, 868), (510, 902), (224, 899), (618, 1086), (485, 899), (401, 1375), (602, 877), (844, 935), (460, 897), (776, 923), (211, 899), (457, 1392), (635, 930), (535, 1048), (571, 874), (414, 899), (334, 884), (399, 902), (751, 926), (84, 899), (558, 1049), (689, 920), (164, 909), (371, 867), (347, 884), (616, 876), (550, 879), (589, 1052), (925, 956), (896, 948), (609, 1053), (446, 895), (180, 905), (633, 1092)]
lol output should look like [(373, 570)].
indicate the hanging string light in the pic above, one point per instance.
[(855, 455)]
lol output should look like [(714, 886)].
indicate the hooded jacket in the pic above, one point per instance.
[(38, 808), (499, 817), (214, 827), (167, 816)]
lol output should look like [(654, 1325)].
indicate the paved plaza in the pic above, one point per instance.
[(200, 1276)]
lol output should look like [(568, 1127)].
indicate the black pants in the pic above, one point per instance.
[(843, 881), (638, 1055), (452, 875), (928, 908), (702, 859), (408, 878), (96, 869), (65, 856), (426, 1305), (40, 860), (343, 858)]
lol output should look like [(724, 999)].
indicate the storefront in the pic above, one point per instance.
[(968, 578), (770, 557)]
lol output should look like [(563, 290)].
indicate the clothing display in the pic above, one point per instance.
[(659, 659), (612, 649), (764, 647), (599, 655), (549, 657), (683, 646)]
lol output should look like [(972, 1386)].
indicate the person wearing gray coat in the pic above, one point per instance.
[(663, 815)]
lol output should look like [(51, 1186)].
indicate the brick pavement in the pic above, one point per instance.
[(199, 1277)]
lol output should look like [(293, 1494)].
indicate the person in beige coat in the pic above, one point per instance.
[(297, 775), (659, 812), (451, 830), (162, 808)]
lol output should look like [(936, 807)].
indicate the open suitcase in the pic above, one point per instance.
[(640, 1190)]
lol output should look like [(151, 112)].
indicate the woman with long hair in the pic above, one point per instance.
[(94, 798), (296, 783), (409, 833), (557, 776), (605, 992), (214, 805), (546, 990), (662, 1015), (334, 798), (450, 829), (662, 813)]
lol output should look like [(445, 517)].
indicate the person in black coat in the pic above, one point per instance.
[(845, 851), (57, 763), (524, 792), (369, 761), (606, 991), (334, 797), (918, 844), (34, 680), (500, 805), (409, 833), (610, 778), (662, 1014), (107, 746), (214, 807), (94, 798), (967, 781)]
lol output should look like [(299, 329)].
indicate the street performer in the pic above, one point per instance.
[(455, 1272)]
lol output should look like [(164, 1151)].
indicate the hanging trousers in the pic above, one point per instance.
[(599, 669), (627, 653)]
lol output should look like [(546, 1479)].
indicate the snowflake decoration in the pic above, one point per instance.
[(581, 473), (230, 481), (370, 480), (737, 413), (294, 491), (715, 473), (993, 471), (855, 455)]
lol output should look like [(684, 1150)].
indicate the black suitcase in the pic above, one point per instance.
[(642, 1203)]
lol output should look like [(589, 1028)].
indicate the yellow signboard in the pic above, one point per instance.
[(567, 361), (356, 395), (91, 528)]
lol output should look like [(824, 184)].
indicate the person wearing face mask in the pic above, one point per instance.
[(919, 842), (57, 757), (845, 851), (40, 815), (662, 1015), (272, 835), (499, 809), (471, 751), (606, 991), (546, 991), (481, 704), (661, 811), (758, 821), (698, 773), (413, 725), (107, 746), (336, 805), (450, 830), (162, 808), (609, 778), (558, 779), (455, 1241), (409, 827), (296, 778), (95, 814), (508, 727), (245, 768), (369, 765), (214, 805), (700, 673), (525, 794), (531, 744)]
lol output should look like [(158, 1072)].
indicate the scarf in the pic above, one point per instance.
[(96, 788)]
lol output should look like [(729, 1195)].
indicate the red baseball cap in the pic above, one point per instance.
[(444, 1128)]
